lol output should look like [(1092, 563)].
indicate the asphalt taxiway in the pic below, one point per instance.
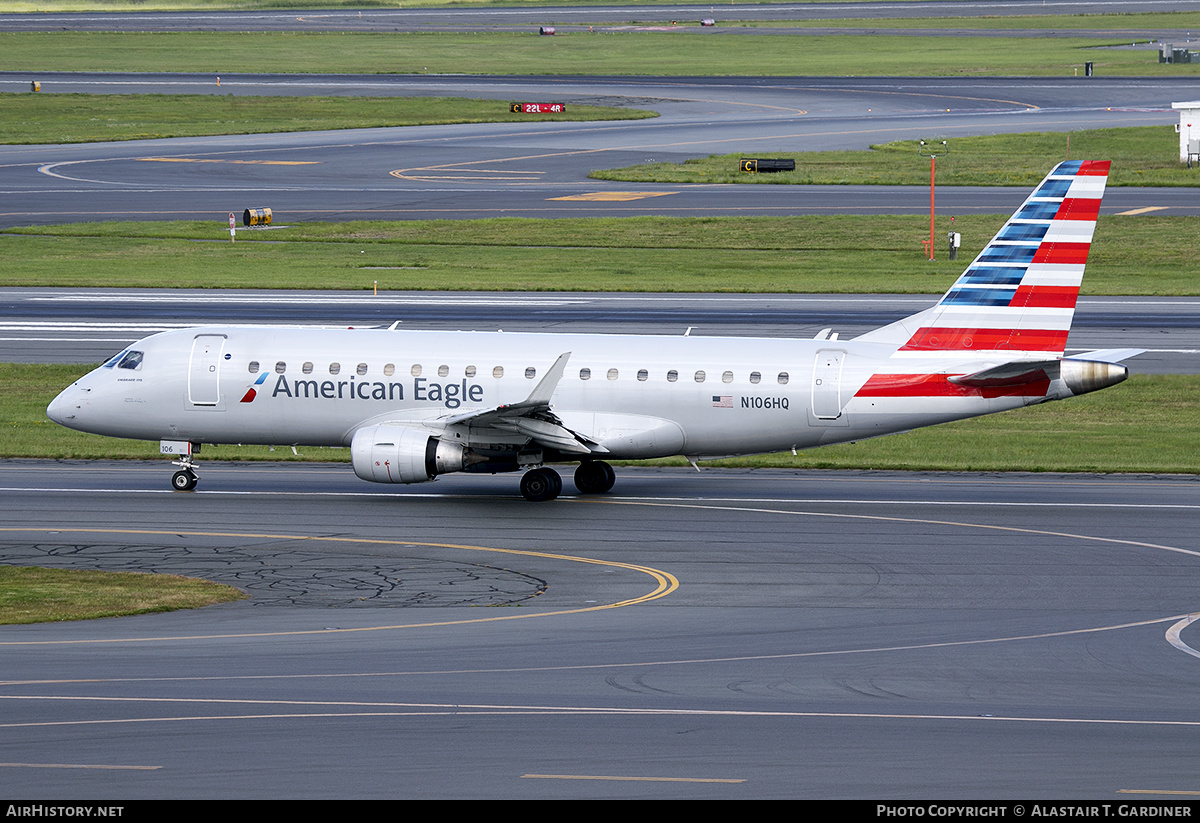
[(523, 169), (723, 634), (90, 325)]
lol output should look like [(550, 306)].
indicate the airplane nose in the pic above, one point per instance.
[(62, 409)]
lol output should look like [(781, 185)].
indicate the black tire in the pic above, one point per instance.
[(594, 477), (183, 481), (539, 485)]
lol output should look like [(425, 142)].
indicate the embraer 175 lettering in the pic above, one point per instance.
[(413, 405)]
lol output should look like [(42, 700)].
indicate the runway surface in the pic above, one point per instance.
[(725, 634)]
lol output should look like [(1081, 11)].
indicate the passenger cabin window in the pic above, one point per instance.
[(498, 372), (585, 374), (700, 376), (530, 372), (132, 360), (612, 374), (280, 367), (443, 371), (727, 377), (253, 367), (672, 376), (416, 370), (307, 368), (469, 371), (643, 375), (334, 368), (389, 369), (362, 369), (783, 378), (755, 377)]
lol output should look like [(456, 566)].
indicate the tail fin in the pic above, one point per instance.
[(1019, 294)]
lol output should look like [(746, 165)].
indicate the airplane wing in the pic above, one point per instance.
[(533, 418)]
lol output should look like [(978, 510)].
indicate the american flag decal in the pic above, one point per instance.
[(723, 401)]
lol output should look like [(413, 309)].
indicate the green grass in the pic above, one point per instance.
[(1150, 423), (78, 118), (674, 53), (1141, 156), (1143, 255), (36, 595)]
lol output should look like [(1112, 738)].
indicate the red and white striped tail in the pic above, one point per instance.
[(1019, 294)]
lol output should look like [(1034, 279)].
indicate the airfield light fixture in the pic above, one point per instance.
[(932, 150)]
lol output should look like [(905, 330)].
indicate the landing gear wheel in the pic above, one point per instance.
[(184, 481), (541, 484), (594, 477)]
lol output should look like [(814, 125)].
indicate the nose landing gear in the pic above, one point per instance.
[(185, 480)]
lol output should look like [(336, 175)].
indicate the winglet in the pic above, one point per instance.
[(539, 398), (533, 418), (544, 390)]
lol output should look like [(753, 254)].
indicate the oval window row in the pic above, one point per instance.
[(643, 375), (673, 376)]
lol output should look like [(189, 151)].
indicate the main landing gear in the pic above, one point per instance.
[(540, 484), (592, 477)]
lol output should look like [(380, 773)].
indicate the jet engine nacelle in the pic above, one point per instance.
[(399, 454), (1083, 376)]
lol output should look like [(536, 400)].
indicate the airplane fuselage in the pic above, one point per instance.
[(638, 396)]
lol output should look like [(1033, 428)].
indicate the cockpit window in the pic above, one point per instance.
[(112, 361), (131, 360)]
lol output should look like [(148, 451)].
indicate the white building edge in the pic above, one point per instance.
[(1189, 130)]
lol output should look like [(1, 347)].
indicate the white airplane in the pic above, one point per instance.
[(414, 405)]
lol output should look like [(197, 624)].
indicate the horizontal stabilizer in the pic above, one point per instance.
[(1080, 376), (1108, 355)]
